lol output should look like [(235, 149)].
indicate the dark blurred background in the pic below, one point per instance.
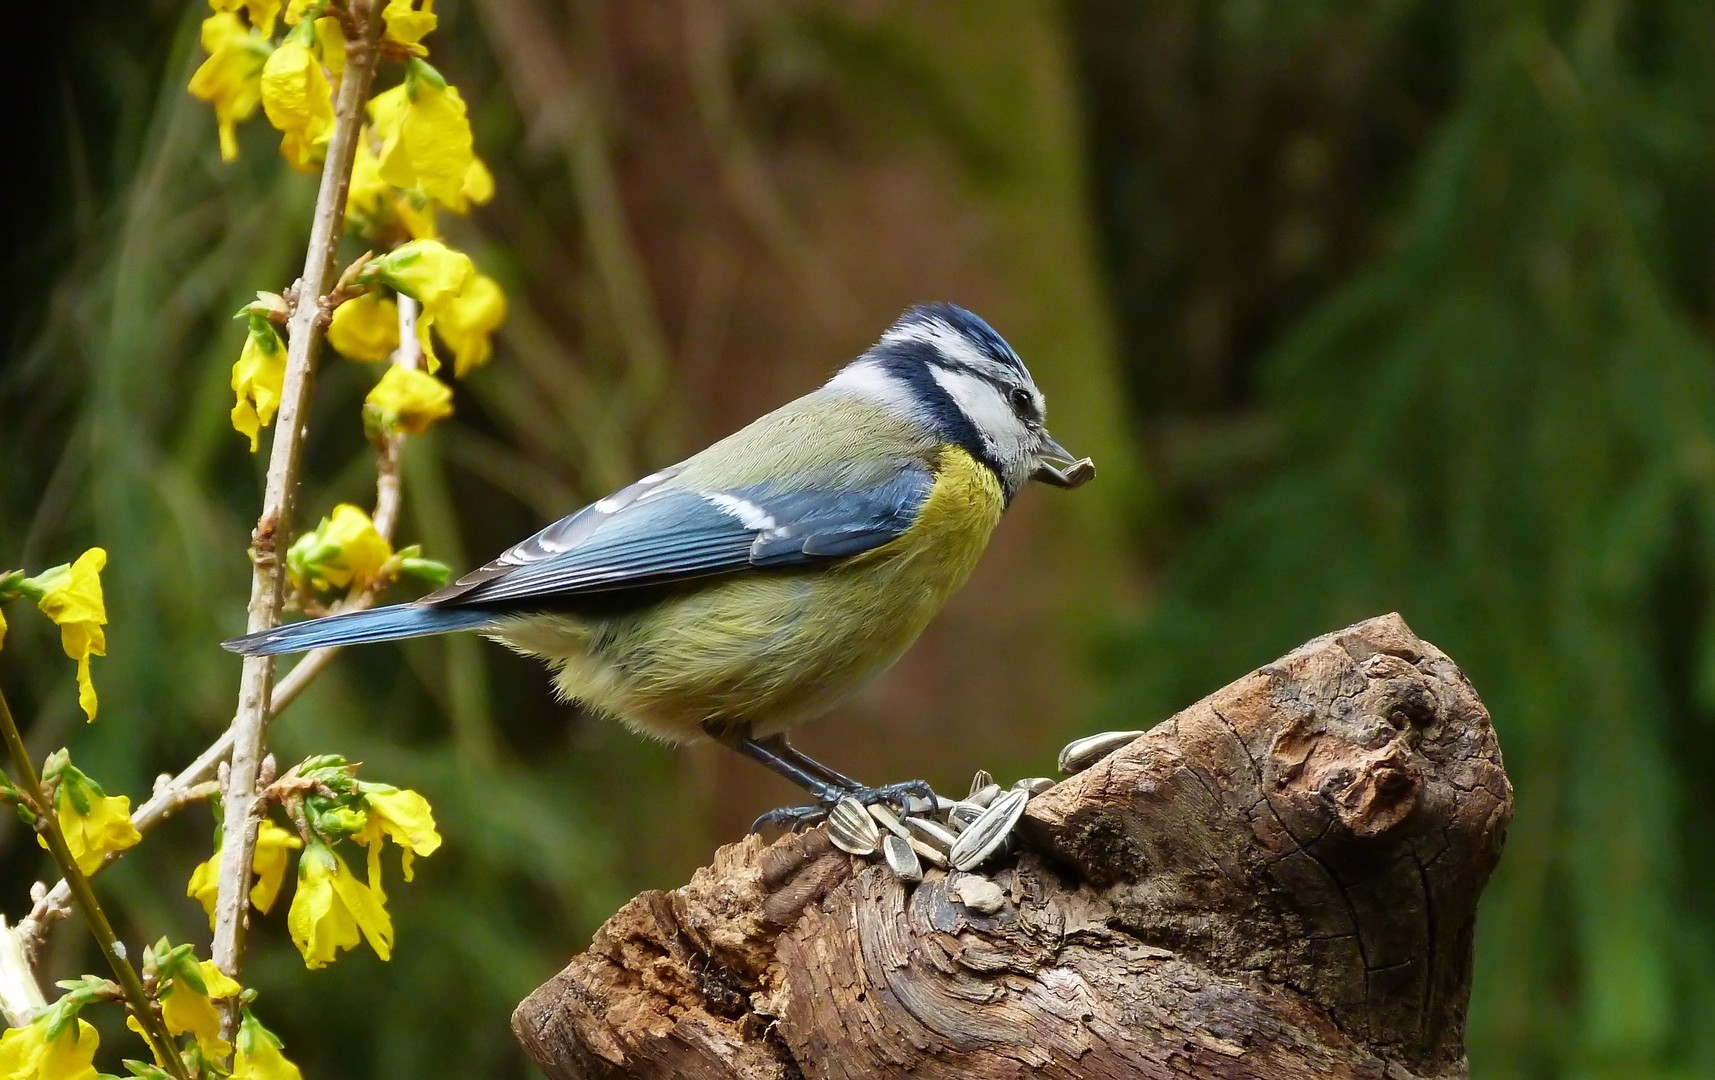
[(1400, 306)]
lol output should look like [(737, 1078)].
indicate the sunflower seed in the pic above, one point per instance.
[(852, 829), (903, 861), (961, 814), (1036, 785), (928, 853), (981, 780), (987, 833), (917, 804), (933, 833), (984, 795), (1080, 754), (887, 819)]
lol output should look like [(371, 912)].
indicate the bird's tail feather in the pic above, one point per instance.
[(358, 628)]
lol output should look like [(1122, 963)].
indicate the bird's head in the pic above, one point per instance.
[(948, 370)]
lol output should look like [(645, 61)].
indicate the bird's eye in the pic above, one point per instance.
[(1022, 403)]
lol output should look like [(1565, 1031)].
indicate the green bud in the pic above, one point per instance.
[(427, 570), (34, 588), (320, 763), (418, 70), (268, 305), (339, 821), (263, 333)]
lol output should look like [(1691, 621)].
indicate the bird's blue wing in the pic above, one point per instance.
[(655, 533)]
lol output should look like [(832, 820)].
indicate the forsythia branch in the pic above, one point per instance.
[(170, 795), (136, 998), (20, 994), (268, 586)]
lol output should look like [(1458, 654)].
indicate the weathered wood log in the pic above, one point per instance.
[(1279, 881)]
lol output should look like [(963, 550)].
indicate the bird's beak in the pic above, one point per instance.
[(1051, 456)]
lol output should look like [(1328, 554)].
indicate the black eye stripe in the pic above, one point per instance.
[(909, 365)]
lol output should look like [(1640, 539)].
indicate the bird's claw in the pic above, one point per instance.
[(898, 795)]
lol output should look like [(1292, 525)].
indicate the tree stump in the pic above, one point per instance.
[(1279, 881)]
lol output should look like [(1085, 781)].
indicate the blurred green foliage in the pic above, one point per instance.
[(1410, 310), (1502, 424)]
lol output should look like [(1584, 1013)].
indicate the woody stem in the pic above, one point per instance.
[(273, 528), (48, 826)]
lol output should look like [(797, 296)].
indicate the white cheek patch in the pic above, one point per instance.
[(870, 381), (986, 407), (748, 513)]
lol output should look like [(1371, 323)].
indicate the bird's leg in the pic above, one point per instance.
[(826, 791), (787, 752), (826, 784)]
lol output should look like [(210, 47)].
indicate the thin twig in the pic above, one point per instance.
[(47, 826), (172, 795), (20, 993), (268, 585)]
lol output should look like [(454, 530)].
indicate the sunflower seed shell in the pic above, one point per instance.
[(1036, 785), (1080, 754), (852, 829), (960, 816), (928, 854), (917, 804), (887, 819), (981, 780), (933, 833), (901, 859), (984, 795), (987, 833)]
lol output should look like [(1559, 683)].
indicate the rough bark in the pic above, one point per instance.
[(1279, 881)]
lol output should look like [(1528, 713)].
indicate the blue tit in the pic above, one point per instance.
[(754, 585)]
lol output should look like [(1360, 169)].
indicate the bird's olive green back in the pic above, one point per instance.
[(835, 438)]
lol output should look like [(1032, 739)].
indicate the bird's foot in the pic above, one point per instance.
[(899, 795)]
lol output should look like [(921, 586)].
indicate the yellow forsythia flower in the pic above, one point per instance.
[(204, 886), (72, 598), (231, 78), (409, 400), (259, 1056), (330, 44), (272, 857), (404, 817), (94, 823), (427, 270), (367, 197), (331, 907), (430, 272), (380, 212), (298, 99), (258, 379), (406, 26), (365, 328), (478, 182), (187, 1009), (466, 321), (28, 1053), (425, 136), (2, 629), (262, 12), (345, 547)]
